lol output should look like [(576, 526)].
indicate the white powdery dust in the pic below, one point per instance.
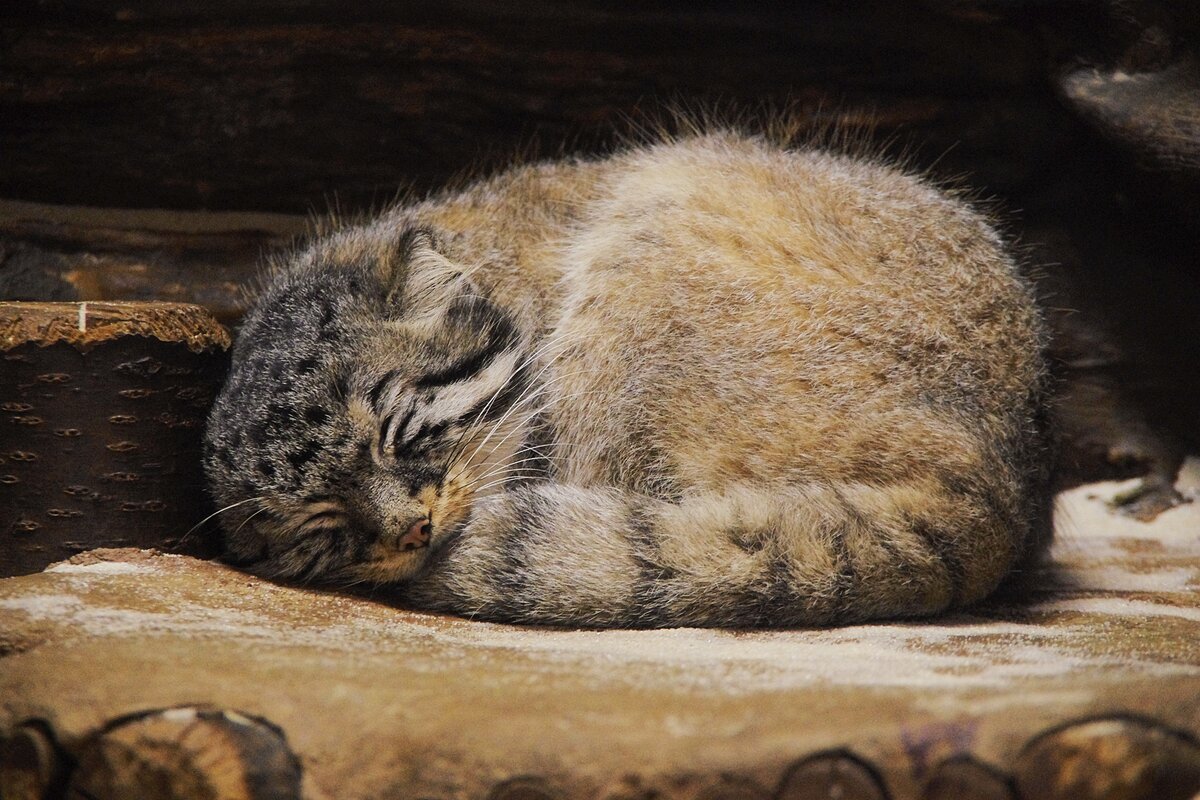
[(44, 606), (898, 655), (1119, 606), (959, 653), (1117, 578), (102, 568), (190, 621)]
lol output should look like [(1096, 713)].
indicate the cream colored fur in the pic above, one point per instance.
[(773, 386), (819, 351)]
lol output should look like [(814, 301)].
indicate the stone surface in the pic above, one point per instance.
[(376, 701)]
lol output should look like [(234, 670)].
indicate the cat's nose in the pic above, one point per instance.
[(418, 535)]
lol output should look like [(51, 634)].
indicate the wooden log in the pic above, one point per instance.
[(1123, 374), (523, 788), (31, 766), (102, 409), (70, 253), (966, 778), (1119, 758), (187, 754), (732, 787), (832, 774), (286, 105), (1104, 435), (1156, 114), (1155, 117)]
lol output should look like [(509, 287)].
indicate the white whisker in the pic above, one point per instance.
[(247, 519), (533, 382), (193, 529), (500, 482), (536, 450), (500, 468), (541, 389), (519, 425)]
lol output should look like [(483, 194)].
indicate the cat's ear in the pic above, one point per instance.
[(422, 283)]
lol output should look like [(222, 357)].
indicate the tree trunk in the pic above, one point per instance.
[(103, 407)]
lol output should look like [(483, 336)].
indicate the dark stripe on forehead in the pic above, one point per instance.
[(502, 336), (493, 406), (376, 390)]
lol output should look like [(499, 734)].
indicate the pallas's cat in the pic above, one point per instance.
[(709, 381)]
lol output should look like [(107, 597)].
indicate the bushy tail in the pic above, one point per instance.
[(797, 556)]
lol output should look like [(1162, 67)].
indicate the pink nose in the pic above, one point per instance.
[(418, 535)]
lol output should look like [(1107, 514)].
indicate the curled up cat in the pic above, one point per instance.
[(709, 381)]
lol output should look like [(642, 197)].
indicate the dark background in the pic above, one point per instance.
[(1078, 121)]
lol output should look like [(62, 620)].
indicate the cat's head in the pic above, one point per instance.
[(353, 430)]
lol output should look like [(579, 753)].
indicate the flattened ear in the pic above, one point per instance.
[(422, 282)]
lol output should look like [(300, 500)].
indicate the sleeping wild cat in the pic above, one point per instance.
[(709, 381)]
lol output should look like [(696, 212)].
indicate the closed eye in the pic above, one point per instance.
[(322, 520), (413, 442), (393, 425)]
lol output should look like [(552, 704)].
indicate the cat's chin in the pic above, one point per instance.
[(392, 566)]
